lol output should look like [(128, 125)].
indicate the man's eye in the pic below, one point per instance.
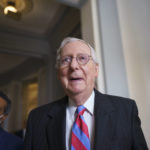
[(66, 59), (82, 58)]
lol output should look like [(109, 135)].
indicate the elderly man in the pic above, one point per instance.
[(84, 119), (7, 140)]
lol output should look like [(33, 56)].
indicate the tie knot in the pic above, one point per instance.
[(80, 110)]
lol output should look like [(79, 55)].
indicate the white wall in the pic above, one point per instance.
[(114, 66), (124, 29), (134, 19)]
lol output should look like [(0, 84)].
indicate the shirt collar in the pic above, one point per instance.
[(89, 105)]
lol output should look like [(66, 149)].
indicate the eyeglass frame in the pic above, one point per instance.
[(71, 58), (2, 115)]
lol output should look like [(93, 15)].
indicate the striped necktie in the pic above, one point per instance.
[(80, 136)]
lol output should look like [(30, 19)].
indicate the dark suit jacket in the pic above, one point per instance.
[(9, 141), (117, 125), (20, 133)]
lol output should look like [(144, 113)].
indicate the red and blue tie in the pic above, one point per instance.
[(80, 136)]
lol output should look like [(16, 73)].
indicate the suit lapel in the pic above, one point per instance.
[(104, 121), (56, 129)]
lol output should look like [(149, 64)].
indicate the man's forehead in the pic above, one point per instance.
[(79, 46), (77, 43)]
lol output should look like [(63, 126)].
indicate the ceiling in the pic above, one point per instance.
[(24, 39), (34, 23), (7, 62)]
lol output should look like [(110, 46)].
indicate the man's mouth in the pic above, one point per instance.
[(76, 79)]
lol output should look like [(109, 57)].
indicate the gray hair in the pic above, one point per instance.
[(72, 39)]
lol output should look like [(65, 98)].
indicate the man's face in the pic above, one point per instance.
[(77, 78), (3, 105)]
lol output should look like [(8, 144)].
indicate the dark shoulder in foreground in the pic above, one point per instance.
[(50, 106), (119, 98), (114, 99), (10, 141)]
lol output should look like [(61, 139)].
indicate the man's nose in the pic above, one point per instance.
[(74, 64)]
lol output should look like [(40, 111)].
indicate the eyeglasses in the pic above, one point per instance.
[(82, 59), (1, 116)]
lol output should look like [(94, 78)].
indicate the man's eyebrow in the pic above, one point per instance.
[(76, 55)]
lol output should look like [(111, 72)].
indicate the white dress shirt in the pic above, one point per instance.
[(88, 116)]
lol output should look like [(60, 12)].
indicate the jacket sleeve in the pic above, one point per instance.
[(139, 142)]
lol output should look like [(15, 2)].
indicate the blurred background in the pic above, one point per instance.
[(31, 31)]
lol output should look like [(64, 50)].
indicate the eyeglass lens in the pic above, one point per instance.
[(81, 59)]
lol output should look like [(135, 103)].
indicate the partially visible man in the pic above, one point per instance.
[(7, 140), (84, 119)]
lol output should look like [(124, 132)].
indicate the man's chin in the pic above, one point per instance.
[(74, 91)]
